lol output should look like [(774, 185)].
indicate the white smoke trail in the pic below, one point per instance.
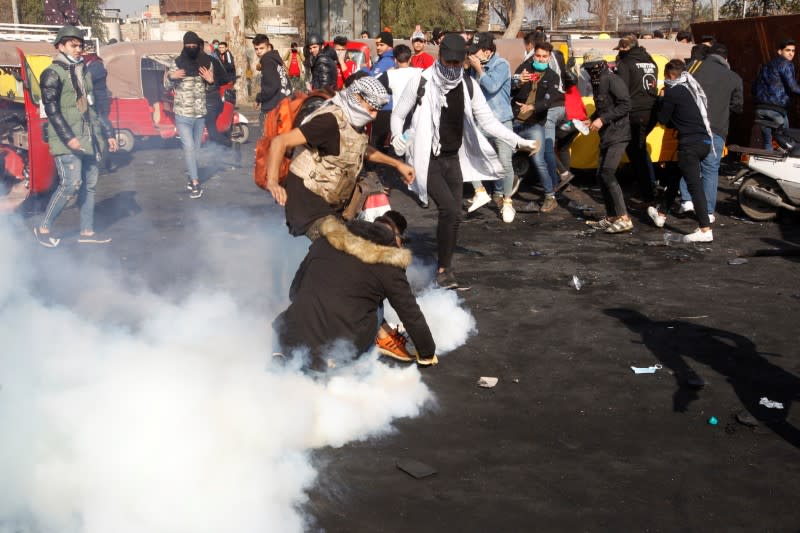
[(130, 409)]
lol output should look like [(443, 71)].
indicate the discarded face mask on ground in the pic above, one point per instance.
[(769, 404), (646, 369)]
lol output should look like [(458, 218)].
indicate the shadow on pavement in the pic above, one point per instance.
[(111, 210), (732, 355)]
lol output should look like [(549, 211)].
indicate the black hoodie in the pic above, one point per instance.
[(723, 89), (274, 82), (640, 74), (191, 60)]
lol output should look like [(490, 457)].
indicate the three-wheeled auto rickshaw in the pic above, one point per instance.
[(26, 165), (140, 106)]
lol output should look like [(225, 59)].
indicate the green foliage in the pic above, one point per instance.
[(5, 11), (758, 8), (89, 11), (32, 12), (403, 15)]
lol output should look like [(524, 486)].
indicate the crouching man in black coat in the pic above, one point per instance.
[(340, 286)]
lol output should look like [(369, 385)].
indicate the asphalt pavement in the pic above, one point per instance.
[(570, 439)]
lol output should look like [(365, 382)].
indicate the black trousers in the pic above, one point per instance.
[(610, 156), (381, 127), (446, 188), (642, 123), (689, 157)]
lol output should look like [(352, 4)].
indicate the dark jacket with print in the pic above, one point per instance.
[(547, 93), (640, 74), (612, 105), (339, 286), (274, 81)]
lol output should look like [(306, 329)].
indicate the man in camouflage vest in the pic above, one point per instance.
[(77, 136), (190, 77)]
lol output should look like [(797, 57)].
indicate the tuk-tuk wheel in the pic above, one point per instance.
[(126, 140)]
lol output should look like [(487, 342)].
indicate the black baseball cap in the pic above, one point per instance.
[(483, 40), (385, 37), (453, 47)]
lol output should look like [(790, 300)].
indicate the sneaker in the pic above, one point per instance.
[(480, 199), (620, 225), (197, 191), (603, 223), (549, 204), (188, 185), (658, 219), (430, 361), (394, 346), (566, 177), (45, 239), (711, 218), (94, 238), (699, 236), (686, 207), (507, 211), (446, 280)]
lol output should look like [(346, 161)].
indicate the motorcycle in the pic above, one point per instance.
[(771, 181)]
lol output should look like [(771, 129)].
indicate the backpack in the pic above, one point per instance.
[(287, 115)]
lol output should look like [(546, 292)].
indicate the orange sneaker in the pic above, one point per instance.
[(394, 346)]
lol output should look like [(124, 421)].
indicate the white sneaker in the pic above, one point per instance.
[(508, 212), (699, 236), (686, 207), (657, 218), (711, 218), (480, 199)]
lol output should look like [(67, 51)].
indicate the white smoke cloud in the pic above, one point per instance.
[(128, 405)]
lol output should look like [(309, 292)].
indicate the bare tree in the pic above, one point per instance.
[(482, 16), (516, 12), (234, 26), (601, 8), (502, 8)]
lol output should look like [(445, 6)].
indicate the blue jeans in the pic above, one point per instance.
[(709, 171), (191, 132), (504, 153), (545, 159), (77, 174), (775, 116)]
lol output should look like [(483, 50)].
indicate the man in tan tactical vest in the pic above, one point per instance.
[(324, 170), (333, 147)]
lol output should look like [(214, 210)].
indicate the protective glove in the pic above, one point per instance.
[(528, 146), (399, 144)]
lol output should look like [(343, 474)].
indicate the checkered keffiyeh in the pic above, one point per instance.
[(370, 90)]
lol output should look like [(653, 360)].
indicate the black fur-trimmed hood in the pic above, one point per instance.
[(370, 243)]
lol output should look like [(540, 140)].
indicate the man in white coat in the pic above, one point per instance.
[(443, 142)]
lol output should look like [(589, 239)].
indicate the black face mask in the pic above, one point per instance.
[(191, 53), (623, 53), (595, 68)]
